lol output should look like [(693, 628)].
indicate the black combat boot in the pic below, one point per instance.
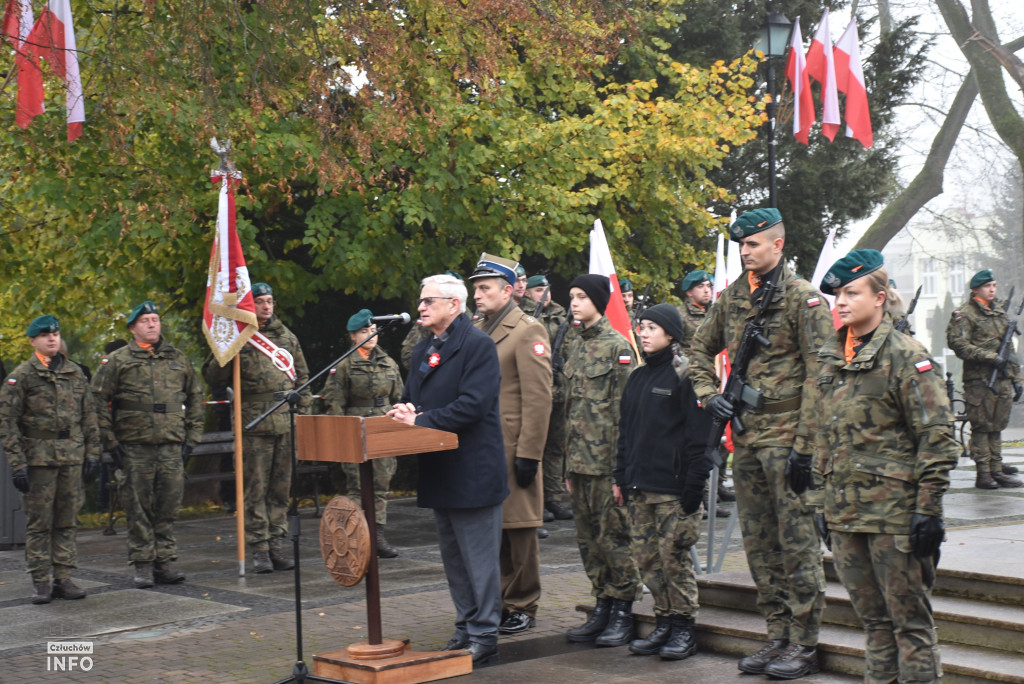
[(682, 643), (984, 478), (756, 662), (593, 627), (726, 493), (797, 661), (41, 592), (261, 563), (67, 590), (384, 549), (280, 560), (1004, 480), (1009, 469), (619, 631), (166, 573), (143, 575), (655, 640)]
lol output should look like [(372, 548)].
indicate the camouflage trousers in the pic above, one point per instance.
[(156, 481), (51, 506), (554, 459), (988, 411), (602, 533), (267, 464), (662, 538), (383, 470), (889, 588), (782, 546), (987, 450)]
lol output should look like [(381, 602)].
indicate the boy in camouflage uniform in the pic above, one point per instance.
[(974, 333), (366, 384), (150, 415), (698, 296), (772, 460), (47, 429), (597, 364), (267, 448)]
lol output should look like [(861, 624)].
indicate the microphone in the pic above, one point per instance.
[(401, 318)]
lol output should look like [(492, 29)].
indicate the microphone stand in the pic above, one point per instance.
[(300, 671)]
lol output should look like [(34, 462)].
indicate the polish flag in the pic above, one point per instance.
[(850, 81), (53, 37), (821, 67), (601, 263), (17, 25), (796, 72)]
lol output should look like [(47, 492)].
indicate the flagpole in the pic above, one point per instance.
[(236, 405)]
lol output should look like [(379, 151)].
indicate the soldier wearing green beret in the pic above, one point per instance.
[(974, 333), (150, 415), (519, 287), (272, 365), (698, 293), (366, 384), (884, 452), (772, 457), (48, 429), (626, 287)]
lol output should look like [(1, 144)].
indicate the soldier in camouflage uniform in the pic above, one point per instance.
[(150, 407), (626, 287), (48, 429), (267, 448), (698, 295), (597, 364), (974, 333), (661, 470), (366, 384), (519, 289), (556, 499), (885, 451), (772, 459)]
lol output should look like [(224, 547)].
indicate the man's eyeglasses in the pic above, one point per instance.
[(429, 301)]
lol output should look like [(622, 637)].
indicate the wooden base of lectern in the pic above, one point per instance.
[(390, 662)]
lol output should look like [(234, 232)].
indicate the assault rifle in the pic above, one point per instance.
[(904, 324), (539, 311), (1005, 347), (741, 395), (557, 360)]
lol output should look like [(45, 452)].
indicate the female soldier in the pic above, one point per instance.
[(662, 471), (366, 384), (884, 451)]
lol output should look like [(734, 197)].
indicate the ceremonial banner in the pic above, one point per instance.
[(850, 81), (17, 25), (53, 38), (229, 313), (821, 67), (796, 72)]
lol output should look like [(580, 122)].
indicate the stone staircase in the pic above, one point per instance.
[(979, 617)]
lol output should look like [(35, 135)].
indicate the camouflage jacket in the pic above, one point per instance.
[(263, 383), (693, 316), (47, 415), (148, 397), (798, 324), (886, 445), (598, 361), (363, 387), (974, 334), (552, 317)]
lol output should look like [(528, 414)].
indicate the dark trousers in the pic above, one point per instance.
[(520, 570)]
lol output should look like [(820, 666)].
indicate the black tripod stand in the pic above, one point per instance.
[(300, 671)]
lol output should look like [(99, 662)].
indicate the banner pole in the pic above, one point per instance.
[(236, 405)]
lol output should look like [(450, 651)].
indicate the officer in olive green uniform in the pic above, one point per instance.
[(556, 499), (782, 547), (597, 364), (150, 407), (267, 448), (48, 429), (885, 451), (974, 333), (366, 384), (698, 295)]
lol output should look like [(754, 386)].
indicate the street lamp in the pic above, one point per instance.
[(771, 40)]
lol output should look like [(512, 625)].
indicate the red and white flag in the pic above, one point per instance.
[(796, 72), (850, 81), (17, 25), (601, 263), (229, 313), (53, 38), (821, 67)]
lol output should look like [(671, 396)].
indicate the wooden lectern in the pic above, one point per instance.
[(348, 439)]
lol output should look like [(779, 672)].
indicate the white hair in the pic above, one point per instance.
[(449, 286)]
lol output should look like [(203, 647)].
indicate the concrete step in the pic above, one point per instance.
[(958, 620)]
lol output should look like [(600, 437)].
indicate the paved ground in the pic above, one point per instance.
[(218, 627)]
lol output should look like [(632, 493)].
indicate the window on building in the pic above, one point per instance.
[(957, 276), (928, 276)]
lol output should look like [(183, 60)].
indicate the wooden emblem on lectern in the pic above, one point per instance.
[(349, 439)]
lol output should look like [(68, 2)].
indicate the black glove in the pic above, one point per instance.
[(1000, 363), (691, 501), (1018, 390), (526, 471), (823, 532), (720, 407), (186, 453), (926, 533), (118, 456), (90, 469), (20, 479), (798, 470)]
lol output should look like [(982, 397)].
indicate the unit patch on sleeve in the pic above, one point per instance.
[(922, 366)]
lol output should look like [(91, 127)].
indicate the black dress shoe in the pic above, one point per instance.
[(542, 533), (456, 644), (482, 652), (515, 623)]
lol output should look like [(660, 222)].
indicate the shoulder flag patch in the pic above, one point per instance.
[(625, 359), (12, 381), (334, 371), (814, 301), (104, 362), (922, 366), (957, 315), (538, 348)]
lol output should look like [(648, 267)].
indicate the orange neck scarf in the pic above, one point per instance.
[(982, 302), (364, 352), (45, 360), (754, 280)]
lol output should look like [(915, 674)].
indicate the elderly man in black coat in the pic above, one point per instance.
[(453, 385)]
